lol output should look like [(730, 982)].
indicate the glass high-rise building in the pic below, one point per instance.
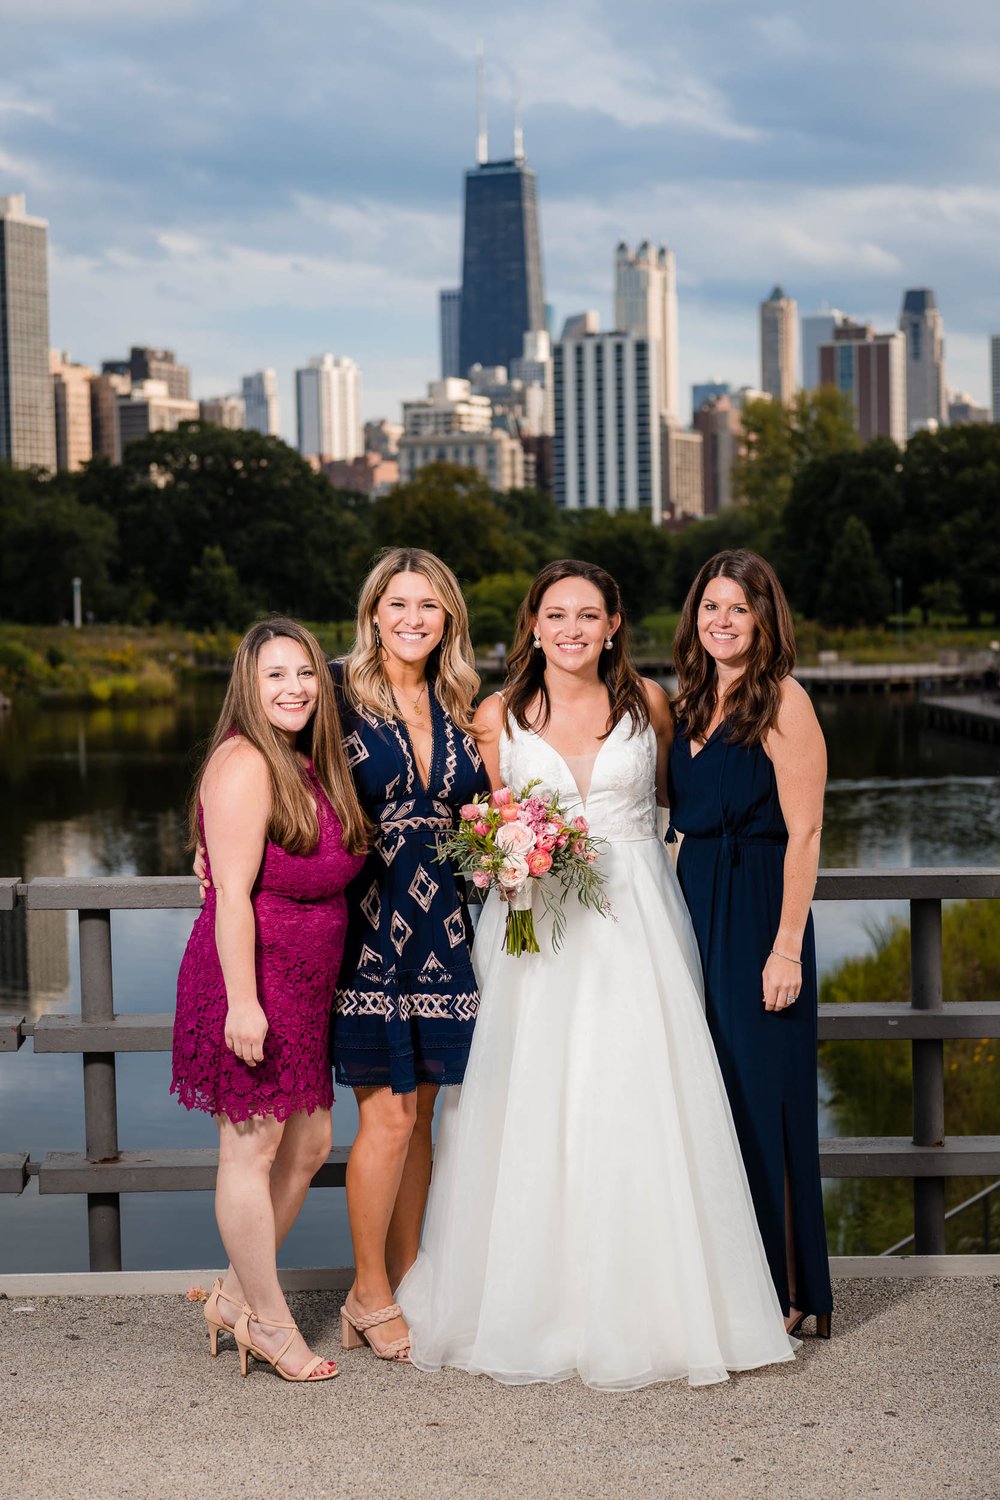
[(260, 397), (502, 292), (27, 412)]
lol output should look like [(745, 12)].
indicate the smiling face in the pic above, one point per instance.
[(573, 624), (410, 618), (726, 628), (287, 683)]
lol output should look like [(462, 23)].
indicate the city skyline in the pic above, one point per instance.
[(790, 147)]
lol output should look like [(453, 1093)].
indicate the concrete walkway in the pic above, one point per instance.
[(115, 1398)]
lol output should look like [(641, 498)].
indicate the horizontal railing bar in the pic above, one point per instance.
[(13, 1171), (897, 1156), (193, 1170), (864, 1020), (161, 1171), (907, 884), (959, 1208), (134, 1032), (12, 1032), (152, 1031), (147, 892), (114, 893)]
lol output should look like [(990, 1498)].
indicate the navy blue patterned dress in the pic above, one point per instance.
[(406, 1000)]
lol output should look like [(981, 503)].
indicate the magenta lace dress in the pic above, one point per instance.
[(301, 915)]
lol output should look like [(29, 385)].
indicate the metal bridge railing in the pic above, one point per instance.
[(103, 1171)]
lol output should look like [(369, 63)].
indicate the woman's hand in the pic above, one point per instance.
[(782, 980), (246, 1028), (200, 869)]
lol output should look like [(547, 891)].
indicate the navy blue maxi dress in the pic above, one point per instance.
[(406, 999), (724, 799)]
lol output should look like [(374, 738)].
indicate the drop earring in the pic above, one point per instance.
[(608, 643), (538, 643), (378, 636)]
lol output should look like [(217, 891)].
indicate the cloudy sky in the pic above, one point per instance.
[(252, 183)]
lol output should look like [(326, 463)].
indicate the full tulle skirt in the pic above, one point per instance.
[(589, 1213)]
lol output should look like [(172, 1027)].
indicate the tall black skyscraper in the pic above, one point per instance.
[(502, 293)]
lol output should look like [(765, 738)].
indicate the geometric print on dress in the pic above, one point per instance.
[(399, 932), (454, 926), (450, 759), (431, 1007), (372, 904), (355, 749), (403, 742), (423, 889), (472, 750)]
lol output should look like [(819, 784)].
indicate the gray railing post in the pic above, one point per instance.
[(928, 1073), (100, 1101)]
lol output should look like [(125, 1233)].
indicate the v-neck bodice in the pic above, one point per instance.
[(621, 796), (725, 791)]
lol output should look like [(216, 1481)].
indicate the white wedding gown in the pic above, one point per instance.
[(589, 1213)]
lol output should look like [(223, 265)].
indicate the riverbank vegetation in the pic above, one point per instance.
[(868, 1083), (205, 529)]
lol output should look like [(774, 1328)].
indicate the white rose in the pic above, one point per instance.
[(513, 872), (515, 838)]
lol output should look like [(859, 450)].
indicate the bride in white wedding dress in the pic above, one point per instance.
[(589, 1213)]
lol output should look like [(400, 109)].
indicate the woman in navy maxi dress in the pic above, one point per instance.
[(731, 866)]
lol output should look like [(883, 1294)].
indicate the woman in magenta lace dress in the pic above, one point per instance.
[(276, 809)]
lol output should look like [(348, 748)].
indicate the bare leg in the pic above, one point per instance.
[(403, 1238), (304, 1147), (374, 1170), (245, 1216)]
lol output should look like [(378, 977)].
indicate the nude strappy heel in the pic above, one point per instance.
[(356, 1329), (216, 1323), (246, 1346)]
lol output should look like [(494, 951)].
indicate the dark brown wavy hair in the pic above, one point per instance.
[(753, 701), (293, 822), (526, 665)]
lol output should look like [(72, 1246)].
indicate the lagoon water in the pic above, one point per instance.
[(102, 792)]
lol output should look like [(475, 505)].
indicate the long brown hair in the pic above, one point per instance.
[(752, 703), (616, 669), (451, 666), (293, 821)]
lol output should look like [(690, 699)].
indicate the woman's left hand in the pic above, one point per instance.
[(782, 980)]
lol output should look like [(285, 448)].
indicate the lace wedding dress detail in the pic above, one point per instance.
[(589, 1212)]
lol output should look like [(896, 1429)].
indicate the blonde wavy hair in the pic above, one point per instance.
[(451, 666), (293, 822)]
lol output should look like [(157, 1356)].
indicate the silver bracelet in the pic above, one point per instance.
[(786, 958)]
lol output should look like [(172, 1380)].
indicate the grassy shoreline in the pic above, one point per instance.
[(120, 664)]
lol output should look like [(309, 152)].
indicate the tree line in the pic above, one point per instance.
[(209, 528)]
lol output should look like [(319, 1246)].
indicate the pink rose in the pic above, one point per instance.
[(502, 796), (591, 857), (469, 812), (513, 872), (539, 862), (480, 827), (562, 841), (481, 879), (511, 812), (581, 825), (543, 843), (515, 838)]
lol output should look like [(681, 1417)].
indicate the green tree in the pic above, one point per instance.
[(493, 604), (736, 526), (782, 439), (453, 513), (638, 555), (215, 597), (47, 538), (855, 589)]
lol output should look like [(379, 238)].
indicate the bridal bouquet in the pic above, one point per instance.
[(520, 843)]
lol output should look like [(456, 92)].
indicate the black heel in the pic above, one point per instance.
[(823, 1325), (796, 1325)]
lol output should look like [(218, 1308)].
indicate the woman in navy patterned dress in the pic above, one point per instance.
[(406, 1000)]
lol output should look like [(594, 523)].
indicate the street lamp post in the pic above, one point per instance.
[(77, 603)]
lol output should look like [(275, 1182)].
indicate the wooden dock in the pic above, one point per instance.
[(976, 716)]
